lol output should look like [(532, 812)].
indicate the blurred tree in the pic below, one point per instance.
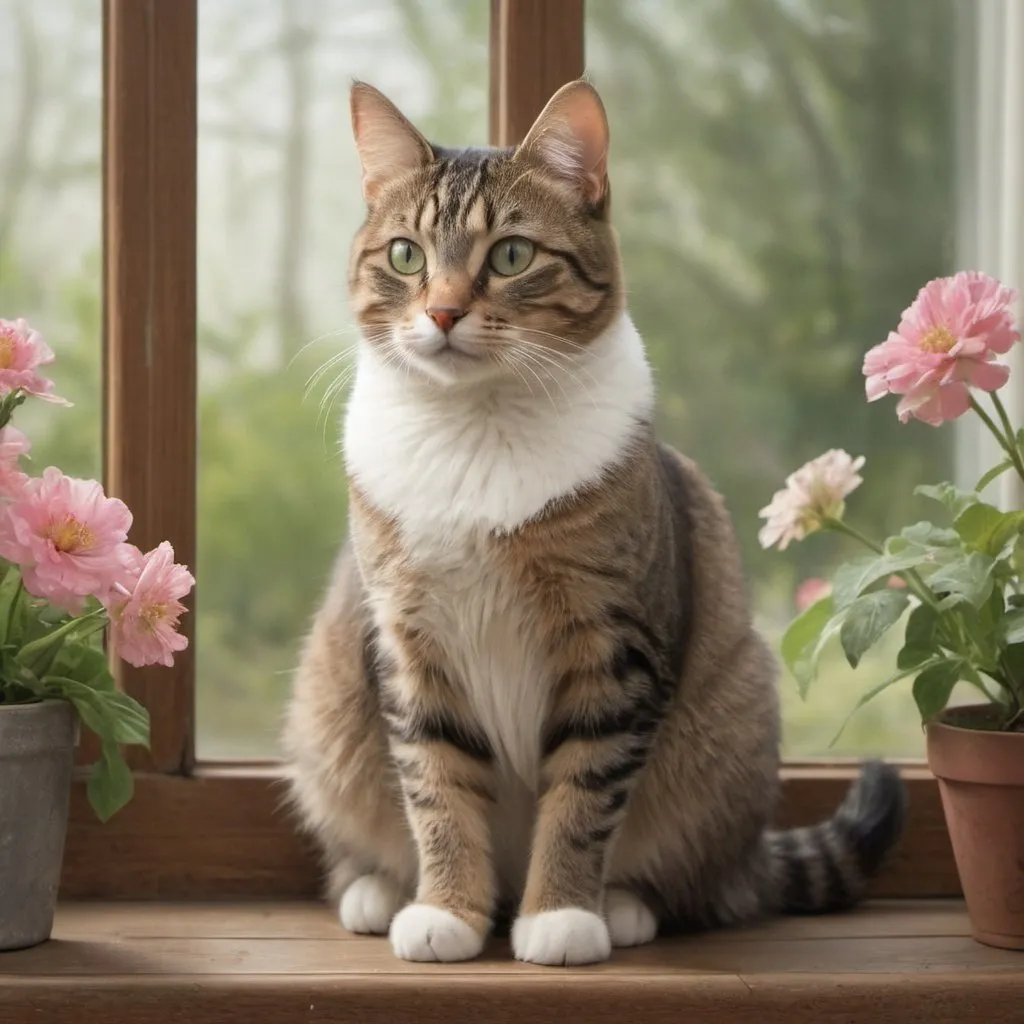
[(782, 180), (783, 184)]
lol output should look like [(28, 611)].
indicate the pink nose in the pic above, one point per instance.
[(446, 317)]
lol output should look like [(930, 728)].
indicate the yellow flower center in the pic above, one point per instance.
[(151, 615), (6, 348), (70, 536), (938, 339)]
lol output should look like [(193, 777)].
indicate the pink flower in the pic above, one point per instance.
[(146, 607), (946, 343), (22, 352), (812, 494), (13, 444), (811, 591), (67, 536)]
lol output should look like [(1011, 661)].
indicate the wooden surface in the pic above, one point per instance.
[(150, 315), (536, 47), (151, 964), (224, 834)]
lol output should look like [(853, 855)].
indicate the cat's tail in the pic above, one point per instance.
[(827, 867)]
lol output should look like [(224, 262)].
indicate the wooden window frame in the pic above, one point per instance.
[(207, 831)]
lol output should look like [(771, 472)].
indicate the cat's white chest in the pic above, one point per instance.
[(491, 639)]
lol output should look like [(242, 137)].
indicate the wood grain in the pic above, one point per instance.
[(536, 47), (153, 964), (223, 834), (150, 315)]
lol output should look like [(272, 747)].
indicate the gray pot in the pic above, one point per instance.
[(37, 753)]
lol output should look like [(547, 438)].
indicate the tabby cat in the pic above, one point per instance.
[(533, 692)]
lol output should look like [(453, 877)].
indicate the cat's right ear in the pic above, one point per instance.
[(387, 142)]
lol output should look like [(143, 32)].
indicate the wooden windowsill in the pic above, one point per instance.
[(889, 963)]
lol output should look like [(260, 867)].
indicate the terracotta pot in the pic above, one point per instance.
[(981, 779)]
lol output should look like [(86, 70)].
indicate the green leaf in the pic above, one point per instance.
[(10, 591), (927, 534), (993, 474), (45, 646), (130, 718), (946, 494), (85, 663), (934, 685), (867, 620), (806, 638), (113, 716), (803, 632), (869, 696), (920, 642), (966, 581), (1011, 629), (853, 578), (111, 784), (985, 528)]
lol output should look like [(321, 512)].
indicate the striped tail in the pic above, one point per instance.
[(827, 867)]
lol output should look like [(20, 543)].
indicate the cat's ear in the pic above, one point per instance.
[(571, 138), (387, 142)]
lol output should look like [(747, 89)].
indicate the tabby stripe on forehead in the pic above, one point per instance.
[(454, 189), (431, 195), (577, 267), (474, 191)]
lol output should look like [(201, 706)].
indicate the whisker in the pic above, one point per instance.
[(522, 359), (323, 337)]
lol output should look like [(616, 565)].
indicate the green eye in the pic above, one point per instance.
[(511, 256), (406, 257)]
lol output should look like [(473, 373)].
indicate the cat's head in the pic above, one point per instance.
[(484, 263)]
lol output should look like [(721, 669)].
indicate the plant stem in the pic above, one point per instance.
[(13, 610), (1006, 440), (840, 527), (909, 576)]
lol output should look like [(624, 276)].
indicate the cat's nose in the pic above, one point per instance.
[(446, 317)]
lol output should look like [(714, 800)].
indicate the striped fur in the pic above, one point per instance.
[(533, 689)]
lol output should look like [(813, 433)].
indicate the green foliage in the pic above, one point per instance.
[(48, 656), (967, 623), (776, 204), (867, 619)]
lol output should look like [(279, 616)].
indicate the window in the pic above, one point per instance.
[(279, 202), (738, 167), (50, 210), (783, 182)]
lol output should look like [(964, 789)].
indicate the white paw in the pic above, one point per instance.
[(561, 938), (425, 933), (630, 921), (369, 904)]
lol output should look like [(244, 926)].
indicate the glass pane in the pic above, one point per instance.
[(50, 212), (279, 201), (782, 174)]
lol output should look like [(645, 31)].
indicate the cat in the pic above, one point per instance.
[(533, 689)]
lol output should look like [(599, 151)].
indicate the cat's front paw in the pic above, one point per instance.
[(561, 938), (369, 904), (424, 933), (630, 921)]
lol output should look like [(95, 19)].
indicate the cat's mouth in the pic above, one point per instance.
[(448, 348)]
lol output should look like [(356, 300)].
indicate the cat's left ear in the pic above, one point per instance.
[(570, 137), (388, 143)]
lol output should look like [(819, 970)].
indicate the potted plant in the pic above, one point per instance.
[(957, 584), (67, 573)]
